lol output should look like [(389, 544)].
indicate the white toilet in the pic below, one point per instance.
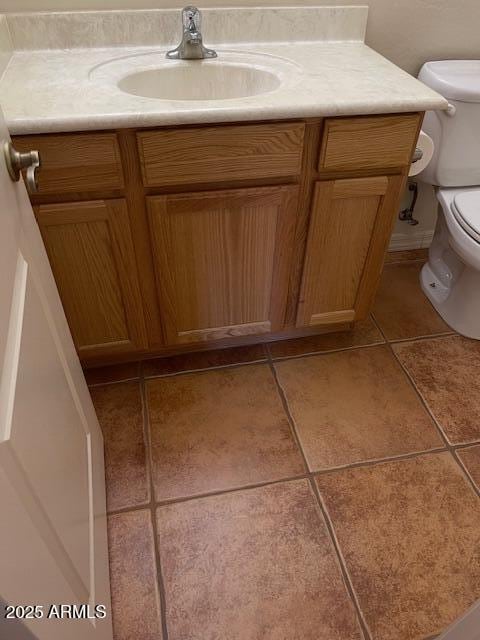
[(451, 278)]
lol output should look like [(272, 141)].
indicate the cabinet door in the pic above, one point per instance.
[(91, 253), (222, 260), (350, 228)]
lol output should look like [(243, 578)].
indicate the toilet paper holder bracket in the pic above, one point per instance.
[(417, 155), (406, 215)]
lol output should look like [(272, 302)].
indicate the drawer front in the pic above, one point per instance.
[(215, 154), (76, 163), (378, 142)]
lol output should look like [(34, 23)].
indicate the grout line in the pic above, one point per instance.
[(410, 379), (271, 358), (429, 336), (110, 382), (466, 445), (309, 354), (311, 477), (303, 476), (136, 507), (232, 365), (220, 492), (341, 561), (451, 448), (203, 369), (156, 540), (152, 505), (414, 386), (466, 472), (160, 582), (291, 422), (374, 461)]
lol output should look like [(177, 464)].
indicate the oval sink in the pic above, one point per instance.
[(233, 74), (200, 81)]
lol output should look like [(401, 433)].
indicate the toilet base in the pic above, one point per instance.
[(452, 287)]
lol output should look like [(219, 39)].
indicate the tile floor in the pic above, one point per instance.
[(323, 488)]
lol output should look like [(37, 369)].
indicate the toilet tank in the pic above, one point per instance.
[(456, 132)]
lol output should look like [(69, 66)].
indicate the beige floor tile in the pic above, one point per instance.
[(354, 406), (409, 533), (219, 430), (135, 601), (401, 308), (256, 564), (446, 371), (204, 360), (119, 411), (364, 333), (470, 456)]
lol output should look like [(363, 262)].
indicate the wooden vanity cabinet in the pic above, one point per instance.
[(90, 249), (222, 261), (173, 238), (349, 231), (351, 218)]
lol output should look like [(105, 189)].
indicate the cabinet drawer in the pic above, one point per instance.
[(215, 154), (378, 142), (77, 162)]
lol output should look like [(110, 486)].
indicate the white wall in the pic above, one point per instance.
[(408, 32)]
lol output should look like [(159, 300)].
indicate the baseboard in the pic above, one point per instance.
[(420, 239)]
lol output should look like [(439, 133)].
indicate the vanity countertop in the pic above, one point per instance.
[(54, 89)]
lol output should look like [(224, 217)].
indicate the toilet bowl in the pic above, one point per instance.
[(451, 277)]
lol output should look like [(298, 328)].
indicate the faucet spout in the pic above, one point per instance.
[(191, 47)]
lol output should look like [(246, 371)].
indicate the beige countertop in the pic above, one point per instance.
[(75, 88)]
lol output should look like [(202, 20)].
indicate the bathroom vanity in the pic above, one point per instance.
[(196, 234), (175, 225)]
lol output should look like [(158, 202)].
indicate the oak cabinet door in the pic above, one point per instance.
[(350, 228), (222, 261), (92, 257)]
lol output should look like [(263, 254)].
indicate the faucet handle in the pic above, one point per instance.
[(191, 18), (191, 47)]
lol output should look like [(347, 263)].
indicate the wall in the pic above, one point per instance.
[(5, 44), (408, 32)]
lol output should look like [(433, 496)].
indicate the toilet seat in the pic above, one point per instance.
[(465, 207)]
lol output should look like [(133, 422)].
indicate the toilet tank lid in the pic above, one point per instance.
[(454, 79)]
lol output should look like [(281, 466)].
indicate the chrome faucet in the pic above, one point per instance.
[(191, 46)]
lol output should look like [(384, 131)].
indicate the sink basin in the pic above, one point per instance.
[(200, 81), (233, 75)]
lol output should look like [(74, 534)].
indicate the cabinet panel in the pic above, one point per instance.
[(75, 162), (222, 261), (349, 231), (92, 258), (206, 154), (368, 142)]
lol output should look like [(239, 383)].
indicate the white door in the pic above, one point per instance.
[(53, 543), (467, 627)]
